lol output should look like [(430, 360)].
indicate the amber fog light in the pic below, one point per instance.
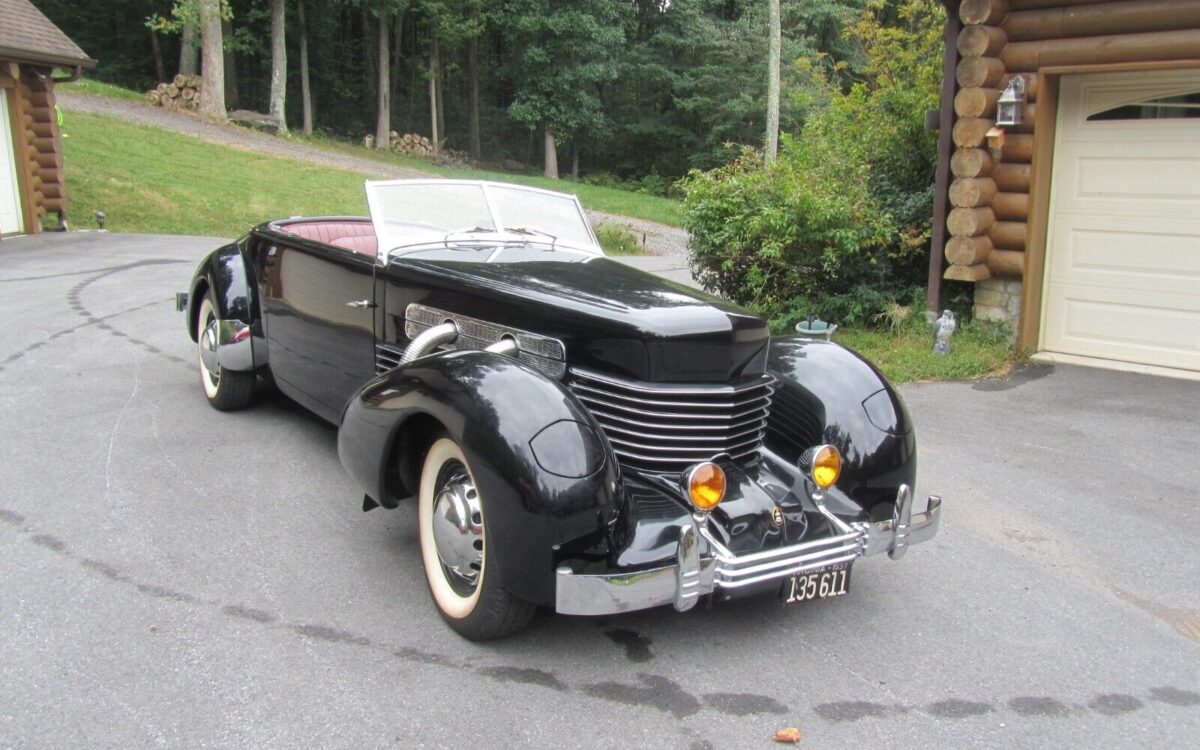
[(823, 465), (705, 485)]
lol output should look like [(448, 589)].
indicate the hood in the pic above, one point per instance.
[(611, 317)]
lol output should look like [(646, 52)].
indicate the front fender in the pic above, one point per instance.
[(829, 394), (545, 472), (223, 274)]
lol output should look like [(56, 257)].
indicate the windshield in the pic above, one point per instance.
[(409, 212)]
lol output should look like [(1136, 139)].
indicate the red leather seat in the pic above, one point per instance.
[(356, 235)]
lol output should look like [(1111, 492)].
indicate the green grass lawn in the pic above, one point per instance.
[(608, 200), (905, 356), (150, 180)]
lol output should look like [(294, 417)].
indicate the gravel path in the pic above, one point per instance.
[(658, 239)]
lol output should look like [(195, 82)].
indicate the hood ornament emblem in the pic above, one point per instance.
[(777, 516)]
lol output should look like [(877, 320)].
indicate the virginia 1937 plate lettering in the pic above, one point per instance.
[(825, 582)]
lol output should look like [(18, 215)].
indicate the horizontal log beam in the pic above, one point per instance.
[(968, 251), (55, 205), (1011, 207), (46, 145), (972, 192), (981, 41), (1129, 17), (1014, 5), (1095, 50), (975, 12), (976, 102), (1012, 178), (977, 272), (1018, 148), (970, 132), (1006, 263), (53, 160), (43, 130), (972, 162), (970, 222), (1007, 235), (979, 71), (53, 190)]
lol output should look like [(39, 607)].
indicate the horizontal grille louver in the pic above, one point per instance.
[(387, 357), (665, 427)]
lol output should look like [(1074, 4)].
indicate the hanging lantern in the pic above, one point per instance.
[(1010, 107)]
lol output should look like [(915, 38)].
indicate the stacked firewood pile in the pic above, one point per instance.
[(181, 93), (418, 145)]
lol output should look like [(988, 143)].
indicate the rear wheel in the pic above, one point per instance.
[(458, 553), (225, 389)]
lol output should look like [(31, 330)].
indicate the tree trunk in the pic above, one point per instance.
[(441, 100), (231, 87), (551, 170), (189, 50), (771, 149), (473, 74), (383, 119), (305, 91), (278, 66), (397, 46), (212, 101), (434, 64), (160, 69)]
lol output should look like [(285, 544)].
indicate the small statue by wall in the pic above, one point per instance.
[(943, 327)]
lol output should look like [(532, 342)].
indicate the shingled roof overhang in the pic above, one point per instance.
[(27, 36)]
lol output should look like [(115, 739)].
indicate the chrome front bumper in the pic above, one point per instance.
[(703, 565)]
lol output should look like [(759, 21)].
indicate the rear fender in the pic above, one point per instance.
[(224, 276), (542, 466)]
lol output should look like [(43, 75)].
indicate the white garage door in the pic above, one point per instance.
[(10, 204), (1123, 246)]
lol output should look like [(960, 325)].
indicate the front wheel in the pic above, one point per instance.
[(458, 553), (226, 390)]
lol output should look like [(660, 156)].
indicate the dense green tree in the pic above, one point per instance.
[(563, 52)]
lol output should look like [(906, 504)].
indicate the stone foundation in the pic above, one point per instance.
[(998, 300)]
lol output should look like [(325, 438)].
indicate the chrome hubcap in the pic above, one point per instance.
[(458, 531), (208, 350)]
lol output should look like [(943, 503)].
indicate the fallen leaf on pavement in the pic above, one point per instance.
[(790, 734)]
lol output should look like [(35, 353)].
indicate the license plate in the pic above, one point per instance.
[(825, 582)]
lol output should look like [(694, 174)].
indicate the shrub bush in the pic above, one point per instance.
[(617, 240), (839, 225)]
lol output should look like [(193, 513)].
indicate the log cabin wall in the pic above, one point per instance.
[(998, 206), (37, 144)]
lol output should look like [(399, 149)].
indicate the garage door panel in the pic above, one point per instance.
[(1121, 329), (1122, 256), (1122, 274), (1148, 178)]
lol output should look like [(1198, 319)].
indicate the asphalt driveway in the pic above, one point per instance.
[(171, 575)]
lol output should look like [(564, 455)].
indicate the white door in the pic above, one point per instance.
[(1123, 247), (10, 200)]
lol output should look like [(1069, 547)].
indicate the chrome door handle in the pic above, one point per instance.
[(360, 304)]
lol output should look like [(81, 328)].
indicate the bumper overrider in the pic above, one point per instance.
[(704, 566)]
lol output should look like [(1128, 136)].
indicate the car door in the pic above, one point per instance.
[(319, 303)]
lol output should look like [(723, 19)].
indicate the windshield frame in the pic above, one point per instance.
[(399, 246)]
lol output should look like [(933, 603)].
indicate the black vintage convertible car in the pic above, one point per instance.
[(575, 433)]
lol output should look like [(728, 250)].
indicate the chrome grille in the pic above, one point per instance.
[(665, 427), (387, 357)]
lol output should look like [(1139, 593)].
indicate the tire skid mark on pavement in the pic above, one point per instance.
[(105, 269), (74, 301), (652, 691)]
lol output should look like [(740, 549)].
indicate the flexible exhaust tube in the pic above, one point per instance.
[(506, 346), (423, 343)]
